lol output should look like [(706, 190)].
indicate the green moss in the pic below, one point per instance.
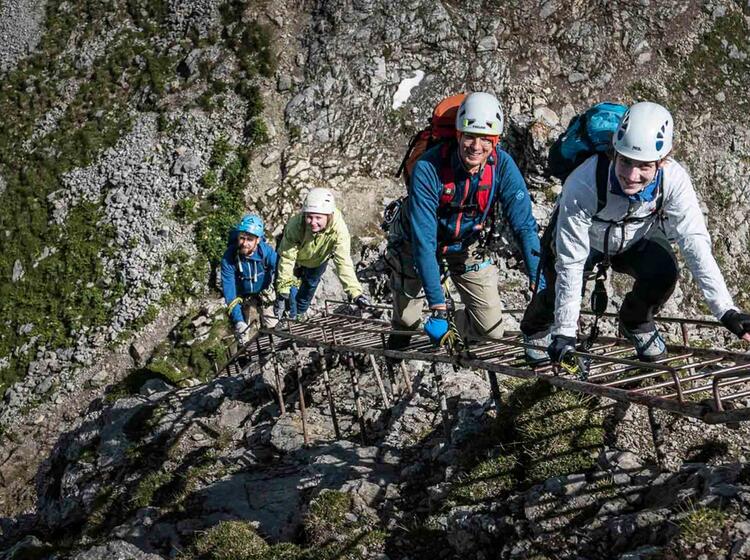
[(187, 277), (326, 519), (231, 540), (77, 299), (540, 433), (164, 368), (251, 43), (186, 210), (67, 292), (285, 551), (256, 132), (187, 478), (100, 508), (184, 356), (561, 433), (219, 153), (148, 486), (223, 207), (151, 313), (700, 524), (130, 384), (488, 480)]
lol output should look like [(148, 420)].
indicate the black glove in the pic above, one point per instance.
[(362, 301), (280, 306), (736, 321), (560, 345)]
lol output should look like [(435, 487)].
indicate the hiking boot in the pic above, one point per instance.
[(649, 346), (535, 356)]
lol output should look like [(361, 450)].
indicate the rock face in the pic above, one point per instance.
[(148, 471), (21, 28)]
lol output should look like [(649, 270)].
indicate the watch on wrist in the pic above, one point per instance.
[(439, 314)]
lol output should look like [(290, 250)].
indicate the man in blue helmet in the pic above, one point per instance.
[(247, 269)]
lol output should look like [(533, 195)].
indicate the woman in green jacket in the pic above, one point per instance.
[(310, 239)]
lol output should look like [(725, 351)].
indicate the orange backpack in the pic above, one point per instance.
[(442, 127)]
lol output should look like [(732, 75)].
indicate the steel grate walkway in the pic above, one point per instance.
[(708, 384)]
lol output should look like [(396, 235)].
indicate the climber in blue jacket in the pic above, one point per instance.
[(454, 189), (247, 269)]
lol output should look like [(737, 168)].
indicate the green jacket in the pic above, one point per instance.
[(299, 246)]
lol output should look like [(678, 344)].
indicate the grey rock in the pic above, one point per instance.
[(286, 435), (21, 28), (272, 500), (232, 414), (367, 491), (284, 83), (190, 66), (487, 44), (99, 379), (549, 8), (18, 271), (154, 387), (547, 115), (116, 550), (138, 352), (576, 77), (185, 161), (272, 157), (740, 549), (29, 547), (43, 387), (642, 552)]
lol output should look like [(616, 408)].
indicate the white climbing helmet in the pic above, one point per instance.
[(319, 201), (645, 132), (480, 113)]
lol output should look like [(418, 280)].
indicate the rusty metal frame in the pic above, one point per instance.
[(356, 335)]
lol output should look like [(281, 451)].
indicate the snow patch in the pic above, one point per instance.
[(404, 89)]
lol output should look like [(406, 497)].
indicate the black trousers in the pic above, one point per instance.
[(651, 262)]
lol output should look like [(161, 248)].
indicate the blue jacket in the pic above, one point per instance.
[(436, 228), (244, 276)]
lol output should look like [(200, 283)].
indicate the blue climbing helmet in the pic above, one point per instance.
[(251, 224)]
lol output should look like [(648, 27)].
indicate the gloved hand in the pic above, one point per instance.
[(280, 306), (362, 301), (560, 345), (241, 333), (439, 330), (737, 322)]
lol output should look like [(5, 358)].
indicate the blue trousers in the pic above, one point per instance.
[(300, 298)]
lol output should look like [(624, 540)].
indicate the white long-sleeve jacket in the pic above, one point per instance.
[(578, 232)]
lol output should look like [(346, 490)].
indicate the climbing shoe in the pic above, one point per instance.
[(535, 356), (649, 345)]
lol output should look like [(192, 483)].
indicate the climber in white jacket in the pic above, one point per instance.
[(648, 199)]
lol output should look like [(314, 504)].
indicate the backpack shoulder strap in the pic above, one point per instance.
[(492, 162), (660, 196), (602, 181), (409, 149)]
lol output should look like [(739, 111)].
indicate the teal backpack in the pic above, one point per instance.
[(587, 134)]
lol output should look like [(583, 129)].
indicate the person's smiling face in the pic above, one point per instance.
[(474, 150), (633, 175), (317, 222)]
